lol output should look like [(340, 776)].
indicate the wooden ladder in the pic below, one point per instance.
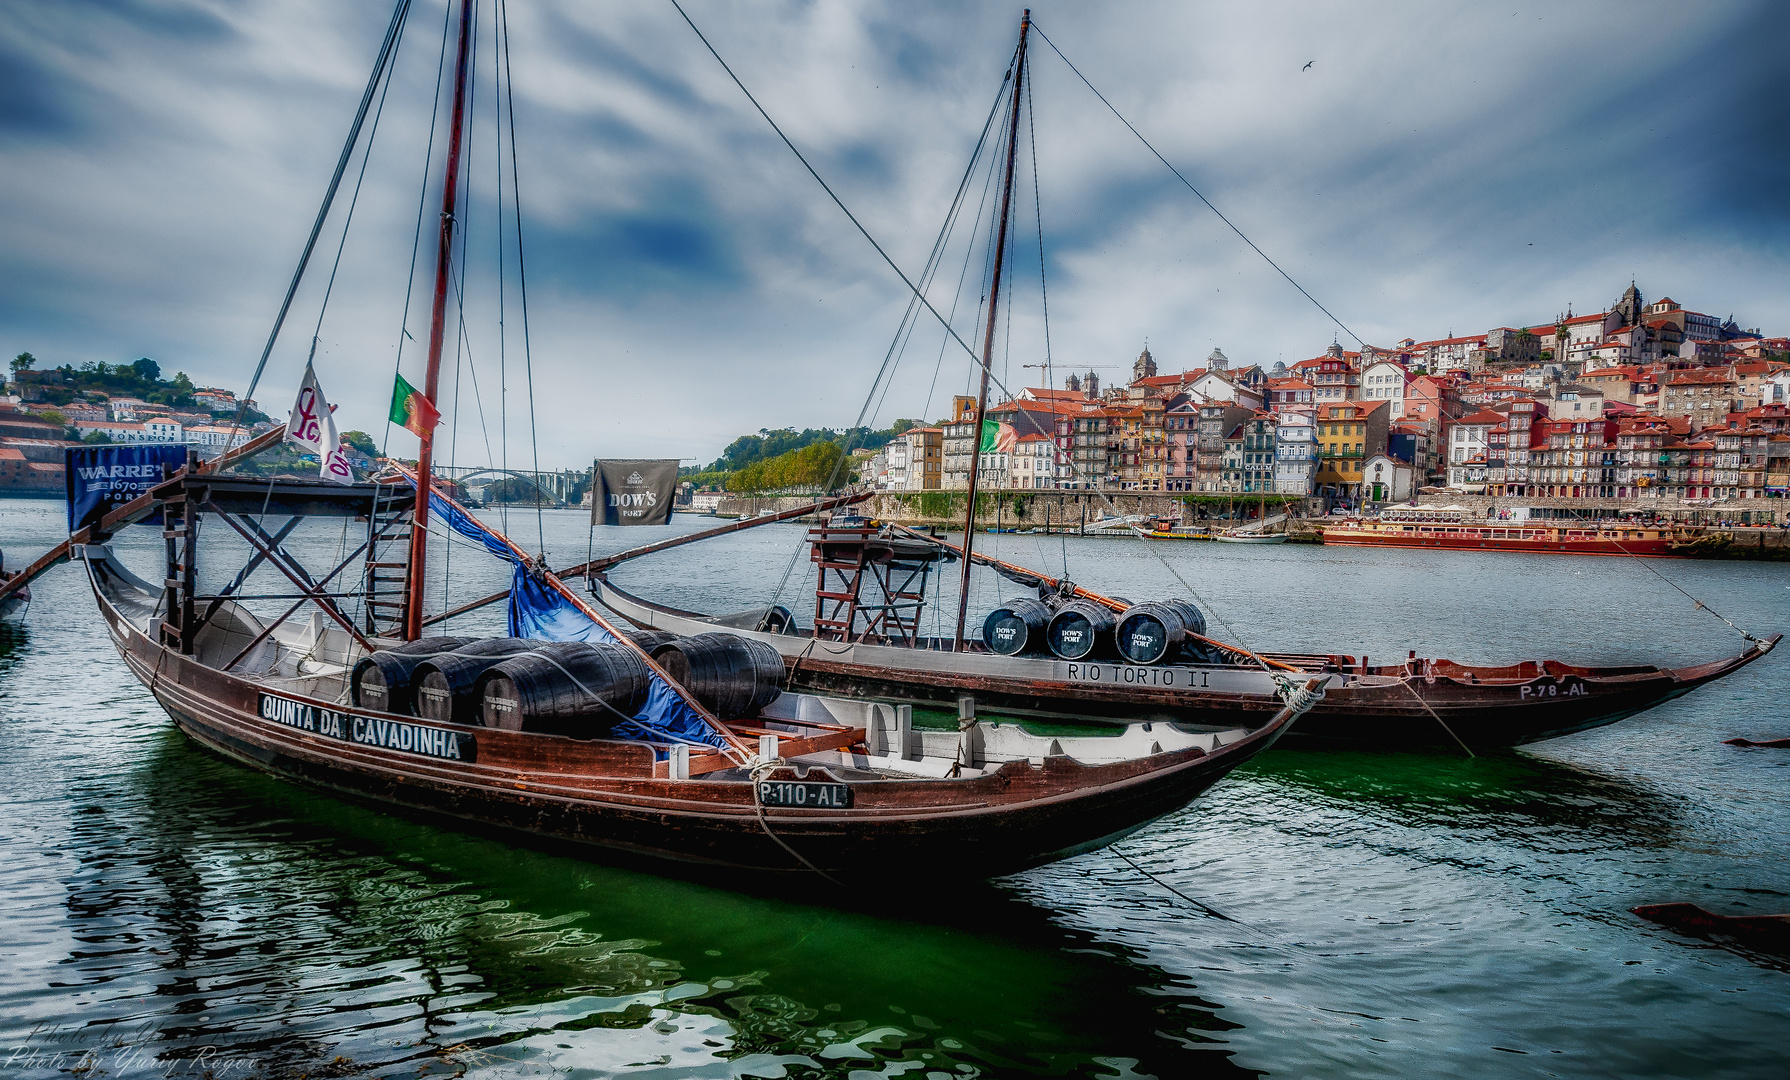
[(388, 563)]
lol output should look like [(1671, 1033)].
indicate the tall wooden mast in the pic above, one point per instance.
[(994, 299), (444, 263)]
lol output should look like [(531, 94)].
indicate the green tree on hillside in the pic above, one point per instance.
[(23, 362), (802, 470), (362, 442)]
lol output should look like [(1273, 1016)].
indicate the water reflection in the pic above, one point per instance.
[(1524, 799), (222, 914)]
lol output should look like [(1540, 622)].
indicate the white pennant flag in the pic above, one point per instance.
[(335, 463), (313, 427)]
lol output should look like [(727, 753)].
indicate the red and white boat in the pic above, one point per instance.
[(1454, 527)]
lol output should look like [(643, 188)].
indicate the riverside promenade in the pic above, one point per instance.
[(1738, 529)]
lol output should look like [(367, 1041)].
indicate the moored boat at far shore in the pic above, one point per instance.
[(1451, 527)]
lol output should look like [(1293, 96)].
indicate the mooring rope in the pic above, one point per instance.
[(759, 771)]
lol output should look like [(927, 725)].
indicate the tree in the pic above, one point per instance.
[(97, 438), (362, 442), (147, 370), (54, 416), (23, 362), (180, 383)]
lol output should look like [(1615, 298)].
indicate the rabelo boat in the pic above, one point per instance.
[(598, 740)]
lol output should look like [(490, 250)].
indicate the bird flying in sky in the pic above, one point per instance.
[(1308, 65)]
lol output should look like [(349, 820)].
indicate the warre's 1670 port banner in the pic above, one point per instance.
[(625, 492), (103, 478)]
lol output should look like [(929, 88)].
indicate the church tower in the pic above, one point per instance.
[(1629, 307), (1145, 368), (1072, 383), (1091, 386), (1218, 361)]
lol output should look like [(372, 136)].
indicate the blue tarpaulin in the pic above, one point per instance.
[(538, 611)]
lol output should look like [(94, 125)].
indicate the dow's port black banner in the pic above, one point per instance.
[(103, 478), (630, 492)]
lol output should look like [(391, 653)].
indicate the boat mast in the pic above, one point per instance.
[(994, 299), (444, 259)]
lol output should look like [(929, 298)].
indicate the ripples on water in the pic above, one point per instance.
[(1366, 914)]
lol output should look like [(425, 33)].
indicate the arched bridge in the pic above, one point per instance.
[(555, 487)]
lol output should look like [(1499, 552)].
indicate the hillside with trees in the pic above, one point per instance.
[(141, 379), (784, 458)]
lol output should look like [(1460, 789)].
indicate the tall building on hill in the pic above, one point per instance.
[(1629, 308)]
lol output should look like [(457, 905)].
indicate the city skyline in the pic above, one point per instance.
[(689, 282)]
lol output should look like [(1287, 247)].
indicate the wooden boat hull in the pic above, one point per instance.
[(1653, 549), (1769, 933), (1382, 708), (1277, 538), (601, 796)]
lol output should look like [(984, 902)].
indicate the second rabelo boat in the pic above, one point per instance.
[(1067, 649)]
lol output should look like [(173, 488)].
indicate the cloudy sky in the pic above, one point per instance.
[(1437, 167)]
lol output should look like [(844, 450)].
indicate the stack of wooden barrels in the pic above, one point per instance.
[(1154, 632), (579, 689)]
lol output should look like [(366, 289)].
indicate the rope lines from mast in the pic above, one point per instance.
[(503, 383), (354, 199), (969, 252), (910, 317), (917, 293), (1038, 216), (1196, 191), (885, 375), (422, 211), (837, 201), (1286, 685), (534, 441), (386, 51)]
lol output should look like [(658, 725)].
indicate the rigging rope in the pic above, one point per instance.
[(503, 384), (891, 358), (963, 274), (920, 296), (528, 366), (422, 209), (905, 280), (353, 202), (1190, 187), (386, 50)]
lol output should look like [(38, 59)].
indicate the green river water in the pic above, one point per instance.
[(169, 913)]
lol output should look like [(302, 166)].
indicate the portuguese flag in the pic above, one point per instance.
[(997, 438), (412, 409)]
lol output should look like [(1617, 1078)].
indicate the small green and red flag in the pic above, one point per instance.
[(412, 409)]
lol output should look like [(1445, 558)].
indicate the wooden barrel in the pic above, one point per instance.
[(648, 640), (731, 676), (1155, 631), (444, 683), (575, 688), (382, 680), (1081, 630), (1016, 627)]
